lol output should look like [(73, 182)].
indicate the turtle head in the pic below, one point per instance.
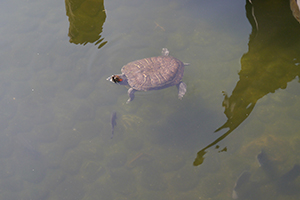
[(118, 79)]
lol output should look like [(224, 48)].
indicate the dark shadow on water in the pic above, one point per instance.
[(271, 62), (86, 19)]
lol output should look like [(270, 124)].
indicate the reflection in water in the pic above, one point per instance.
[(86, 21), (271, 62)]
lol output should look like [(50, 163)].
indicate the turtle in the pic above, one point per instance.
[(153, 73)]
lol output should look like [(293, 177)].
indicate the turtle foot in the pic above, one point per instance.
[(165, 52), (181, 90), (130, 94)]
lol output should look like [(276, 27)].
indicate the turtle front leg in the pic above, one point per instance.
[(130, 94), (181, 89)]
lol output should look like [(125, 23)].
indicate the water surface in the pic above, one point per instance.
[(56, 105)]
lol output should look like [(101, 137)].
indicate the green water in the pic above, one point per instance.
[(242, 97)]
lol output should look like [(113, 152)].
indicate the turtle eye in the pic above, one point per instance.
[(113, 78), (116, 79)]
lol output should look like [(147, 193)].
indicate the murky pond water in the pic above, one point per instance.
[(235, 133)]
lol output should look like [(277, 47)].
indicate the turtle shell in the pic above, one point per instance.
[(153, 73)]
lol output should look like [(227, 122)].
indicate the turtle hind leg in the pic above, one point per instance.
[(181, 89), (130, 94)]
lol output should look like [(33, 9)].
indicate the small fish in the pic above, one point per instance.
[(113, 123)]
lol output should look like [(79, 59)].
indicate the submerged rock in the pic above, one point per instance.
[(284, 184)]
